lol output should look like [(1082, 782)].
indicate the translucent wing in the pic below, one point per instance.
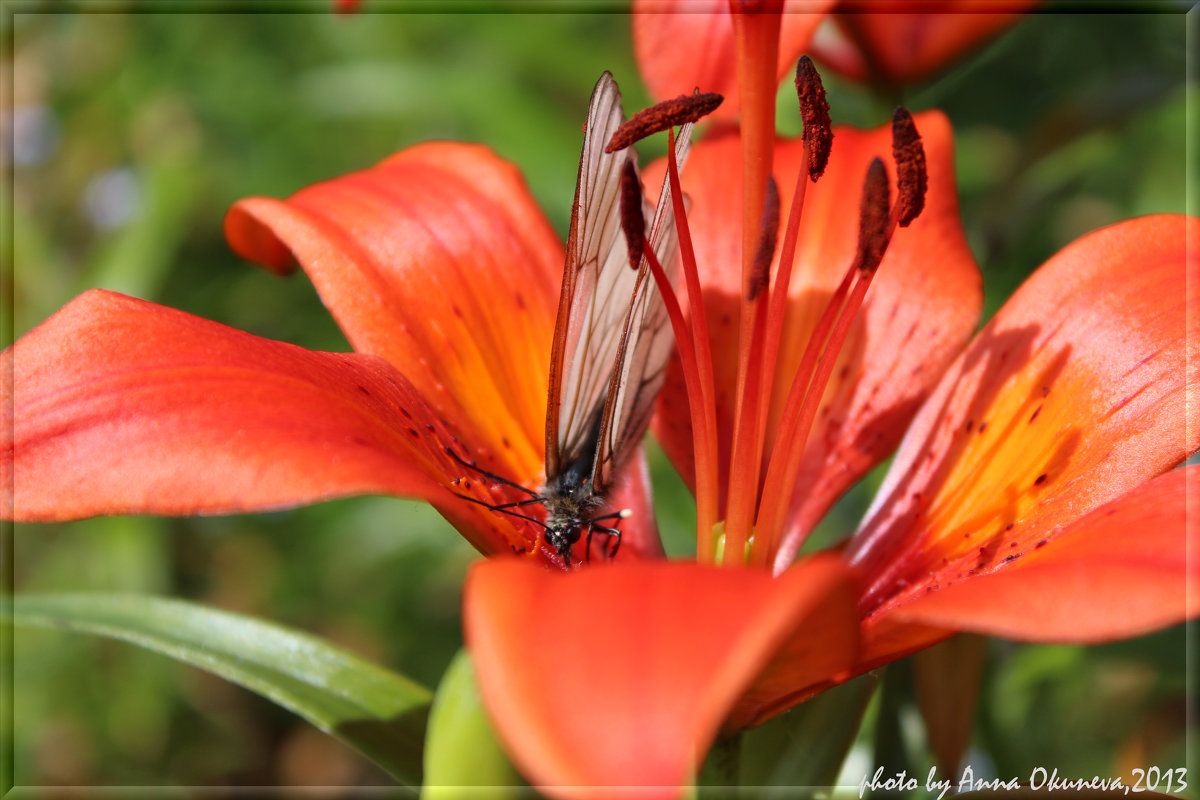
[(640, 368), (596, 290)]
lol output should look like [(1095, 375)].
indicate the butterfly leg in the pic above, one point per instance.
[(612, 533)]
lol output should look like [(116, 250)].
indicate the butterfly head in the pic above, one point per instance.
[(562, 537)]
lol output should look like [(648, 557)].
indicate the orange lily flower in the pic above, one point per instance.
[(116, 401), (1033, 451), (625, 673), (680, 44)]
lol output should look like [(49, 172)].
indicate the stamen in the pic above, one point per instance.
[(814, 110), (633, 220), (804, 397), (873, 225), (912, 179), (704, 425), (663, 116), (702, 444), (768, 235), (818, 142)]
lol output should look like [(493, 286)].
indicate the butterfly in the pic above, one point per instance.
[(612, 340)]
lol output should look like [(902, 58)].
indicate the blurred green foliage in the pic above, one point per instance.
[(134, 132)]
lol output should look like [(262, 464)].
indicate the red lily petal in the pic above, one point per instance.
[(124, 406), (682, 45), (1072, 396), (1120, 571), (451, 230), (621, 675), (897, 48), (121, 406), (920, 311)]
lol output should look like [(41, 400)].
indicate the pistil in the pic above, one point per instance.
[(756, 31)]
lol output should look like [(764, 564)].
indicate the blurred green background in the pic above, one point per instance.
[(134, 132)]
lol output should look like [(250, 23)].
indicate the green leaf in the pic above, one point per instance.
[(806, 746), (462, 748), (377, 712)]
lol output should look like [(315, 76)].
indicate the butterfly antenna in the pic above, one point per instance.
[(504, 508), (499, 479)]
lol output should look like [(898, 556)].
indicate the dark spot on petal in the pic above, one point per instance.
[(429, 426), (1040, 544), (1036, 411), (413, 431), (1012, 544), (1040, 479), (1008, 527), (982, 427), (970, 425), (363, 389), (407, 415)]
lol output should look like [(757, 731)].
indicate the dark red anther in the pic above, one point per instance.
[(911, 177), (873, 218), (756, 6), (633, 220), (667, 114), (768, 234), (814, 110)]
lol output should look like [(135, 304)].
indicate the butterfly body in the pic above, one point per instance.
[(571, 499), (611, 338)]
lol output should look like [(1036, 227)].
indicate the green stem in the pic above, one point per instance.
[(722, 768)]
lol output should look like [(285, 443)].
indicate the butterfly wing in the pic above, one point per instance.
[(596, 289)]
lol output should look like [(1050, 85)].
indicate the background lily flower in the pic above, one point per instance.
[(909, 42), (685, 43), (682, 44)]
